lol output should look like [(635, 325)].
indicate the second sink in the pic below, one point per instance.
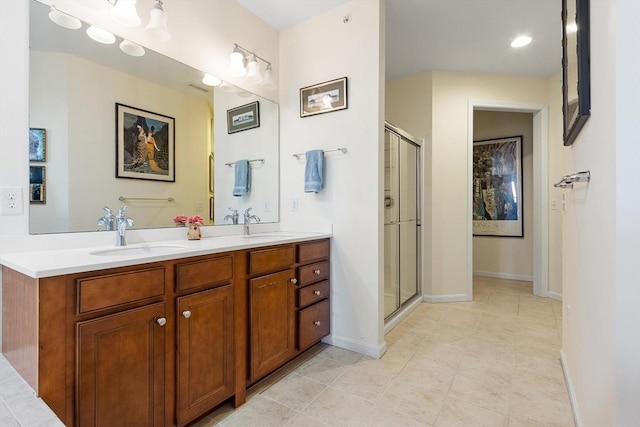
[(139, 250)]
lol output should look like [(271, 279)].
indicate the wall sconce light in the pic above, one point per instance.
[(100, 35), (124, 11), (131, 48), (64, 20), (157, 26), (241, 57), (210, 80)]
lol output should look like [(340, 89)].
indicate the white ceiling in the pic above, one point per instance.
[(454, 35)]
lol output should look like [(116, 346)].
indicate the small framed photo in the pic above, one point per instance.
[(211, 207), (37, 181), (211, 178), (244, 117), (323, 97), (37, 145), (145, 144)]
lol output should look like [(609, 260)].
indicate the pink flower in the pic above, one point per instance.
[(180, 219), (196, 219)]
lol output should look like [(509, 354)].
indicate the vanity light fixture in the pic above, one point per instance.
[(210, 80), (124, 11), (245, 63), (157, 26), (100, 35), (521, 41), (131, 48), (64, 20)]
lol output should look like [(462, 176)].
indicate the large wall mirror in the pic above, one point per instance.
[(75, 85), (576, 97)]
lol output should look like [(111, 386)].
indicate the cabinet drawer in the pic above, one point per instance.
[(313, 293), (273, 259), (206, 272), (313, 251), (313, 324), (313, 272), (112, 290)]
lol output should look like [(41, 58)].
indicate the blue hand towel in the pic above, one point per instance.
[(242, 183), (314, 171)]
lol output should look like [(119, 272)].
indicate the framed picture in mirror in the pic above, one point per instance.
[(576, 84), (37, 184), (244, 117), (37, 145), (145, 144)]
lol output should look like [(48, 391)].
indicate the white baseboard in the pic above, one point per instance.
[(359, 347), (572, 395), (509, 276), (391, 323), (554, 295), (446, 298)]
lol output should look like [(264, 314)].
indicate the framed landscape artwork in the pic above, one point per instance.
[(37, 185), (323, 97), (244, 117), (37, 145)]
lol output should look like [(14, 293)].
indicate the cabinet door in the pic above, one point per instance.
[(205, 351), (272, 314), (120, 369)]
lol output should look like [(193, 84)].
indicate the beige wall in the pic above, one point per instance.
[(508, 257)]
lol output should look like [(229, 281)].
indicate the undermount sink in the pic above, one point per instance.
[(139, 250), (266, 236)]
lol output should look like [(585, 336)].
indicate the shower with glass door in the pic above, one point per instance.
[(401, 220)]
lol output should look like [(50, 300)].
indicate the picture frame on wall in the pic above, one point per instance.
[(145, 144), (497, 187), (37, 185), (211, 176), (324, 97), (244, 117), (37, 145)]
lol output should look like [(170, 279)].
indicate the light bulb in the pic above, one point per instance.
[(253, 70), (64, 20), (131, 48), (236, 65), (157, 26), (125, 13), (521, 41), (100, 35), (210, 80), (268, 82)]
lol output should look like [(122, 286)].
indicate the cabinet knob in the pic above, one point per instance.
[(317, 292), (161, 321), (316, 272), (186, 314), (317, 323), (294, 280)]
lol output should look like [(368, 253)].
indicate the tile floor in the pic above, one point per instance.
[(491, 362)]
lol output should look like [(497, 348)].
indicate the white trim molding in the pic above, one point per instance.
[(509, 276), (397, 318), (555, 295), (446, 298), (358, 347), (572, 394)]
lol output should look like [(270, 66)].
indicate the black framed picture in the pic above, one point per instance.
[(37, 145), (244, 117), (145, 144), (323, 97), (497, 187), (37, 184)]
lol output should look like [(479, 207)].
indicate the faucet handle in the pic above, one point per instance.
[(121, 211), (108, 211), (235, 211), (247, 211)]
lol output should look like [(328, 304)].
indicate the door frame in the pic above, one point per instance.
[(540, 188)]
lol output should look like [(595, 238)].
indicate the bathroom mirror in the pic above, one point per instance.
[(576, 97), (75, 84)]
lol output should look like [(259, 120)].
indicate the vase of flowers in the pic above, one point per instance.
[(180, 220), (194, 223)]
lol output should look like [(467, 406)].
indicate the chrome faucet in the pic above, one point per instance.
[(108, 220), (233, 216), (122, 222), (247, 218)]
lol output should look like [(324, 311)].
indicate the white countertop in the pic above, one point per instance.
[(57, 262)]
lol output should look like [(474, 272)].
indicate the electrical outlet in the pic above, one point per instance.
[(294, 204), (11, 201), (267, 206)]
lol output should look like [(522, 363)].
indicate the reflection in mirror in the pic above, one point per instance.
[(575, 66), (75, 85)]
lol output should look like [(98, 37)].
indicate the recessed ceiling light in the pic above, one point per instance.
[(521, 41)]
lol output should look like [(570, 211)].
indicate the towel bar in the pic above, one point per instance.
[(343, 149), (252, 160), (568, 180), (168, 199)]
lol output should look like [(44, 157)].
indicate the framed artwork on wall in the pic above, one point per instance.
[(244, 117), (37, 185), (145, 144), (497, 187), (37, 145), (323, 97)]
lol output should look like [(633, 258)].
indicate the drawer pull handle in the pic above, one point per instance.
[(161, 321), (186, 314), (317, 292), (294, 280), (316, 272), (317, 323)]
